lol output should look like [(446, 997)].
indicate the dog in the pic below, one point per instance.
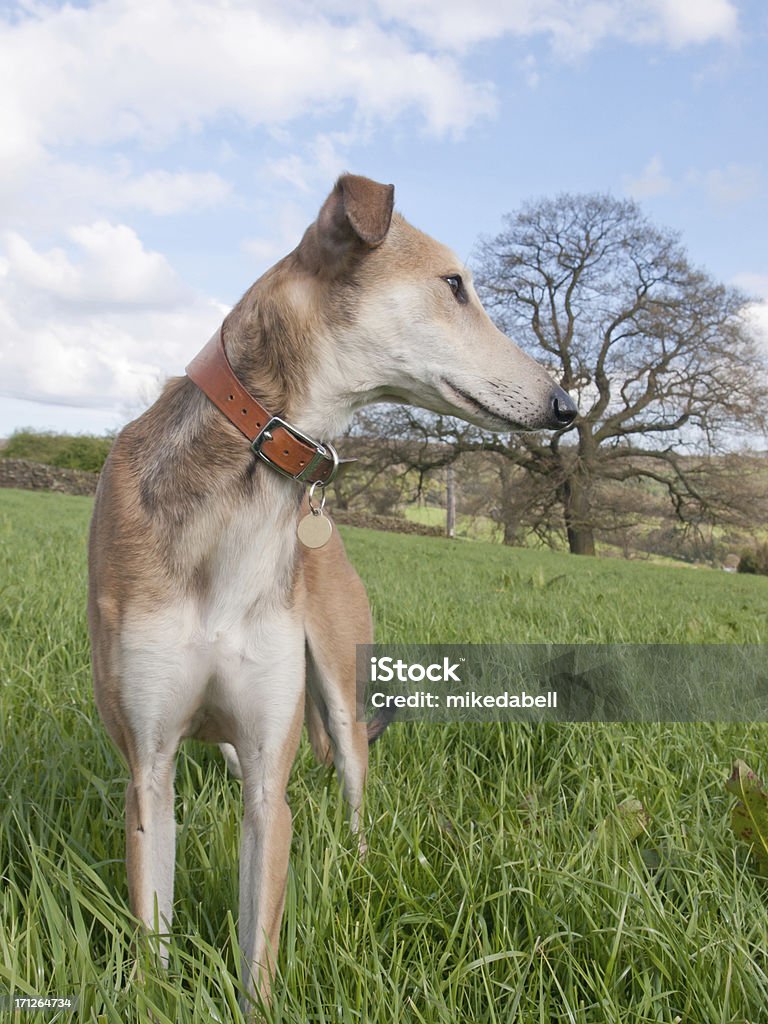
[(209, 617)]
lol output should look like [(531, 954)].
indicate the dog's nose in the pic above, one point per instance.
[(563, 408)]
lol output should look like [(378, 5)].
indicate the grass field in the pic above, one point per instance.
[(491, 892)]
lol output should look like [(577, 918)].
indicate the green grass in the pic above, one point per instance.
[(429, 590), (489, 893)]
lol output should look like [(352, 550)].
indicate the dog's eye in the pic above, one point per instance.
[(456, 285)]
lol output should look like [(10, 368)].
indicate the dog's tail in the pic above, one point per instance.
[(379, 723)]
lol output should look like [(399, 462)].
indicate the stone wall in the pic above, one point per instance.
[(393, 524), (34, 476)]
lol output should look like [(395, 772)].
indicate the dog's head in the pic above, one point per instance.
[(410, 323)]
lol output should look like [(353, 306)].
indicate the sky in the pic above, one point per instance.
[(156, 158)]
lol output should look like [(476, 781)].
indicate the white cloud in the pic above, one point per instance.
[(112, 268), (735, 183), (573, 28), (18, 414), (529, 68), (753, 284), (321, 163), (117, 71), (89, 314), (682, 23), (309, 170), (756, 285), (97, 324), (651, 182), (285, 227), (59, 192), (164, 192), (757, 318)]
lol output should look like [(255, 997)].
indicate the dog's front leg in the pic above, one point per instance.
[(150, 831), (144, 707), (266, 747), (336, 619)]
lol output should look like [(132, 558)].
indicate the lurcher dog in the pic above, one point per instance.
[(209, 618)]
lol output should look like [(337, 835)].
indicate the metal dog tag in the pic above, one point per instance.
[(314, 529)]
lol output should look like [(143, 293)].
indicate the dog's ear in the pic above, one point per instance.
[(359, 204), (354, 219)]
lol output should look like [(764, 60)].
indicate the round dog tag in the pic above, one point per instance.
[(314, 530)]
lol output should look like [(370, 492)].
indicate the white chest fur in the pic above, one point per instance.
[(232, 652)]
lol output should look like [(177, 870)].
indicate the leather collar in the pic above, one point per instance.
[(279, 444)]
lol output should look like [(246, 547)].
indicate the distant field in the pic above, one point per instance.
[(471, 527), (496, 888), (485, 529), (434, 590)]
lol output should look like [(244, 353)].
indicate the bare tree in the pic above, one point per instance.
[(658, 354), (394, 451)]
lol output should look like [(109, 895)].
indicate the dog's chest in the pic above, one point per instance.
[(233, 640), (248, 565)]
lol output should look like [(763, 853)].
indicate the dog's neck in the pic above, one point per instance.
[(196, 463), (291, 354)]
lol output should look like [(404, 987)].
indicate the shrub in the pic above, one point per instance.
[(754, 560), (68, 451)]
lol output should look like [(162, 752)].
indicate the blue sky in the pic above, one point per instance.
[(156, 158)]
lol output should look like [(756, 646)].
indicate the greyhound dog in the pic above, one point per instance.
[(209, 617)]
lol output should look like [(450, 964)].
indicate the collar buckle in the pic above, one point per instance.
[(322, 453)]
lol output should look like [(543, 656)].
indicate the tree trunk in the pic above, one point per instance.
[(578, 523), (450, 502), (511, 537), (340, 499), (508, 514)]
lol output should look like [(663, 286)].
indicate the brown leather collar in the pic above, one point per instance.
[(282, 446)]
